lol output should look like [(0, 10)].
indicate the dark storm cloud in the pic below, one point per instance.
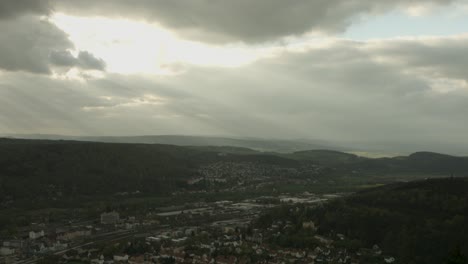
[(241, 20), (29, 43), (26, 41), (84, 60), (63, 58), (87, 60), (13, 8)]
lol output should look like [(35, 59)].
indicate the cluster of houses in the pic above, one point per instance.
[(41, 241), (231, 243), (44, 239), (217, 232), (235, 241), (245, 175)]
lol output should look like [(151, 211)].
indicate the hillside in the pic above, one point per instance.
[(34, 168), (422, 163), (418, 222), (30, 168)]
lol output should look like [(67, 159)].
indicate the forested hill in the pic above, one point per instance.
[(29, 168), (418, 222), (420, 163)]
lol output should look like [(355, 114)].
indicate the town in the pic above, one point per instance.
[(216, 232)]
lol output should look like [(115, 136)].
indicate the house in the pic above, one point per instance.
[(377, 250), (129, 226), (110, 218), (14, 243), (323, 240), (36, 235), (229, 230), (257, 238), (72, 235), (5, 251), (58, 246), (177, 233), (98, 260), (308, 225), (121, 258)]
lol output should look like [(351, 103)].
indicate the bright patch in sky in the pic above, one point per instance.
[(138, 47), (130, 47)]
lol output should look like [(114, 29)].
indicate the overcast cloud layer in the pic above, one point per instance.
[(402, 90), (350, 90), (14, 8), (243, 20), (226, 20)]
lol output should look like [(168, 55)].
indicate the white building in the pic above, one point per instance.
[(36, 235), (123, 258), (110, 218)]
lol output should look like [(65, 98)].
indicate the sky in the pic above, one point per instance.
[(335, 70)]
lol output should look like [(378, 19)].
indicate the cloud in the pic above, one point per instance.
[(346, 91), (87, 60), (29, 43), (26, 41), (84, 60), (243, 20), (63, 58), (432, 57), (14, 8)]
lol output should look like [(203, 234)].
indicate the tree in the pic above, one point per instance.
[(457, 257)]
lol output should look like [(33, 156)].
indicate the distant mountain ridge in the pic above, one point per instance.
[(265, 145), (363, 148)]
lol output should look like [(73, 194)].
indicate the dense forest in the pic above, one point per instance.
[(417, 222), (31, 168)]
